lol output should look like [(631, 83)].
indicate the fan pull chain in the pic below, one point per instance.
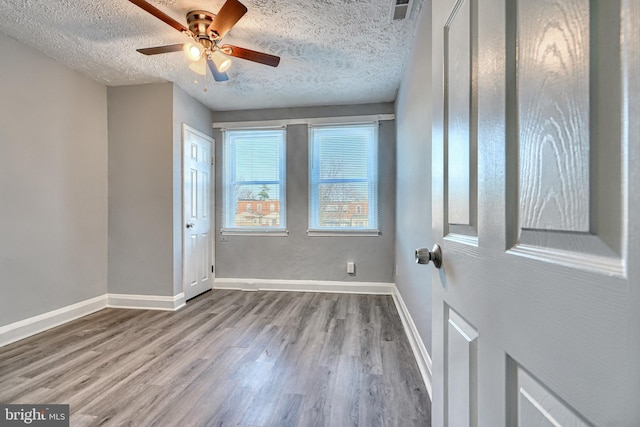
[(205, 90), (196, 79)]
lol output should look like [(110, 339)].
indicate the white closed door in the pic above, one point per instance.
[(197, 208), (536, 184)]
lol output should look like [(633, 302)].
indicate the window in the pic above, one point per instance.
[(343, 172), (254, 171)]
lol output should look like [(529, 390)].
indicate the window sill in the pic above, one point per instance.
[(343, 233), (274, 233)]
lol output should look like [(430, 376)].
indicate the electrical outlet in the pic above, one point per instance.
[(351, 267)]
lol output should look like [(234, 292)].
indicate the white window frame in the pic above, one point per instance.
[(372, 179), (230, 180)]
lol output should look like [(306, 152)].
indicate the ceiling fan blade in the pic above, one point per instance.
[(160, 15), (217, 75), (161, 49), (251, 55), (229, 14)]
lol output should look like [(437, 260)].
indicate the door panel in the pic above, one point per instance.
[(568, 189), (457, 75), (538, 407), (190, 264), (204, 257), (553, 106), (197, 257), (459, 116), (193, 213), (461, 368), (536, 320)]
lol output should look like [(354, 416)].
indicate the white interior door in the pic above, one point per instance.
[(197, 208), (536, 150)]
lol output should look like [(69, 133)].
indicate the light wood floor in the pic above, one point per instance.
[(229, 358)]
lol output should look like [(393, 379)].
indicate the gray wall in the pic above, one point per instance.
[(297, 256), (195, 114), (141, 189), (53, 184), (413, 203), (145, 185)]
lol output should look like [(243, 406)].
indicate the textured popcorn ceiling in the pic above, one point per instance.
[(332, 51)]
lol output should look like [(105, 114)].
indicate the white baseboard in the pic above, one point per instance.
[(419, 350), (377, 288), (25, 328), (146, 302), (33, 325)]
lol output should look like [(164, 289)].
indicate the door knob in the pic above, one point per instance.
[(190, 225), (423, 256)]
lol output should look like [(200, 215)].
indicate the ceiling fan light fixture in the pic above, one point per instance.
[(193, 51), (206, 30), (221, 60), (199, 67)]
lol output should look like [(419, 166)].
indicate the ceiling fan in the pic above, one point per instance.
[(207, 30)]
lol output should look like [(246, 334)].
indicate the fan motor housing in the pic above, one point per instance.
[(199, 21)]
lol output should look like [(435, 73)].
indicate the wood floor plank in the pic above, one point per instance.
[(144, 409), (345, 392), (231, 409), (287, 411), (336, 337), (370, 351), (253, 359), (306, 369), (371, 405), (52, 376), (200, 393), (316, 411)]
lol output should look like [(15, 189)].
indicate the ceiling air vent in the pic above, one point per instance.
[(400, 9)]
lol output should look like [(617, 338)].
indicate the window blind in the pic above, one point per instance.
[(254, 179), (343, 190)]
